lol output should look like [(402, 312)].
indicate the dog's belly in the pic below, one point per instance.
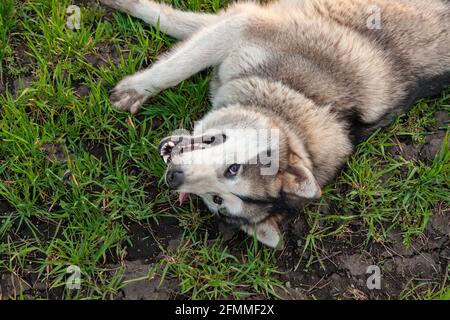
[(359, 73)]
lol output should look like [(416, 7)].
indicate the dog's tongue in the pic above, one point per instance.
[(182, 197)]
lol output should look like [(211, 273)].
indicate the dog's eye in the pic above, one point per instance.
[(232, 170), (217, 200)]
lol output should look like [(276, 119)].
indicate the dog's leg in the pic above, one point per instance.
[(206, 48), (176, 23)]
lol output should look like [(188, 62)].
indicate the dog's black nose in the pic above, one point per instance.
[(175, 178)]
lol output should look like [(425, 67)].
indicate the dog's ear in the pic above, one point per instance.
[(299, 181), (266, 232)]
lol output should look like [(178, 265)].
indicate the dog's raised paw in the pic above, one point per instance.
[(127, 99)]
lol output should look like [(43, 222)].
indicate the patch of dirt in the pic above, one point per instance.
[(149, 240), (106, 54), (5, 207), (149, 288), (148, 244), (432, 146), (23, 61), (442, 118), (22, 83), (44, 229), (411, 151), (27, 284), (54, 152), (97, 150), (80, 90)]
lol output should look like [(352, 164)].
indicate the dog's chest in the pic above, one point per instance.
[(242, 61)]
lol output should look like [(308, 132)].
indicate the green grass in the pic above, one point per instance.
[(85, 199), (208, 271)]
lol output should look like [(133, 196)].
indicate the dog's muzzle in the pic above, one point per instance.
[(175, 145)]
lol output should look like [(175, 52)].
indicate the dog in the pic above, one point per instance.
[(318, 75)]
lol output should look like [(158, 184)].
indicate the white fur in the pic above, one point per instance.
[(176, 23), (266, 232), (206, 48)]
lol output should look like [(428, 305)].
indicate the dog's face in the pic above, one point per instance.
[(242, 167)]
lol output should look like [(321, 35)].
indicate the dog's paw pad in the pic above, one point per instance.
[(127, 100)]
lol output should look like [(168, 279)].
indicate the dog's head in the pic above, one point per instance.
[(242, 165)]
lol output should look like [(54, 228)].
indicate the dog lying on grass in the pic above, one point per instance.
[(296, 85)]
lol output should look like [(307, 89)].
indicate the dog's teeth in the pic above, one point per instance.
[(167, 148), (166, 158)]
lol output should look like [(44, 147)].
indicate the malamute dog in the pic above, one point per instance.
[(313, 77)]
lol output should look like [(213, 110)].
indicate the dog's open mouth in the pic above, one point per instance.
[(165, 149), (183, 144), (173, 145)]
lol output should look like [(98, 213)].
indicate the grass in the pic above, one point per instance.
[(73, 170), (209, 271)]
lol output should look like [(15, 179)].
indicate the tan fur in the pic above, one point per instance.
[(312, 69)]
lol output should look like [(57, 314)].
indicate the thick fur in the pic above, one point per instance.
[(314, 69)]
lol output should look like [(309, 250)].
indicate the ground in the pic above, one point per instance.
[(81, 184)]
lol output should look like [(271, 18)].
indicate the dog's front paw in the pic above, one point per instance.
[(128, 96), (127, 100)]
